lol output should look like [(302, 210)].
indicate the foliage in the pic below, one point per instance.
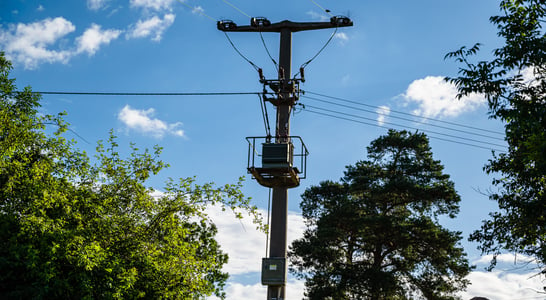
[(375, 234), (72, 229), (515, 87)]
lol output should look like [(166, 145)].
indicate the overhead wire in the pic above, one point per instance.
[(196, 9), (236, 8), (146, 94), (402, 118), (318, 53), (268, 53), (322, 8), (265, 116), (405, 113), (386, 127), (405, 126)]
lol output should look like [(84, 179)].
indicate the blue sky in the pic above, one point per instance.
[(392, 60)]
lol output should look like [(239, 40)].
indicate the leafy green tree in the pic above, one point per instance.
[(375, 235), (72, 229), (514, 84)]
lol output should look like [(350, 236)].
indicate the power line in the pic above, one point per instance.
[(196, 9), (147, 94), (269, 54), (315, 56), (380, 126), (322, 8), (237, 9), (405, 126), (405, 113), (241, 54), (404, 119)]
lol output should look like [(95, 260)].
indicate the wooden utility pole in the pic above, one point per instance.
[(286, 98)]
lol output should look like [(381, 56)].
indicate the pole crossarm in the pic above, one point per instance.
[(285, 25)]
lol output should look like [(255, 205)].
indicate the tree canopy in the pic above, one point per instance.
[(514, 83), (376, 234), (71, 228)]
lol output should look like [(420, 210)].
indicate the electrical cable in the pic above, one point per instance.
[(312, 58), (322, 8), (380, 126), (405, 126), (236, 8), (265, 116), (239, 52), (269, 54), (402, 118), (147, 94), (407, 114), (196, 9), (268, 220)]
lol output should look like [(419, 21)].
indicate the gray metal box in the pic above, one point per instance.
[(277, 155), (274, 271)]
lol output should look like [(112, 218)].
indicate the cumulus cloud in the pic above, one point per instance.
[(198, 10), (156, 5), (382, 112), (94, 37), (96, 4), (154, 27), (142, 121), (436, 98), (244, 244), (237, 291), (504, 286), (506, 258), (318, 16), (30, 44), (342, 36)]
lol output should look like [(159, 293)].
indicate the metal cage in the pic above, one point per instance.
[(283, 164)]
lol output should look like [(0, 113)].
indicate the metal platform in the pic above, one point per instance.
[(276, 177), (282, 164)]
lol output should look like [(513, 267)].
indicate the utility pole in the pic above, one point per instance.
[(287, 95)]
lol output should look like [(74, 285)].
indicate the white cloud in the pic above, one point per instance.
[(154, 27), (143, 122), (435, 97), (244, 244), (318, 16), (507, 258), (342, 36), (198, 10), (504, 286), (237, 291), (382, 112), (153, 4), (94, 37), (96, 4), (40, 8), (29, 43)]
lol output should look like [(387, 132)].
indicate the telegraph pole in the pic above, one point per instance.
[(286, 99)]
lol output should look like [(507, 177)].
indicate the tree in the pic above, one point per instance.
[(514, 84), (72, 229), (375, 235)]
